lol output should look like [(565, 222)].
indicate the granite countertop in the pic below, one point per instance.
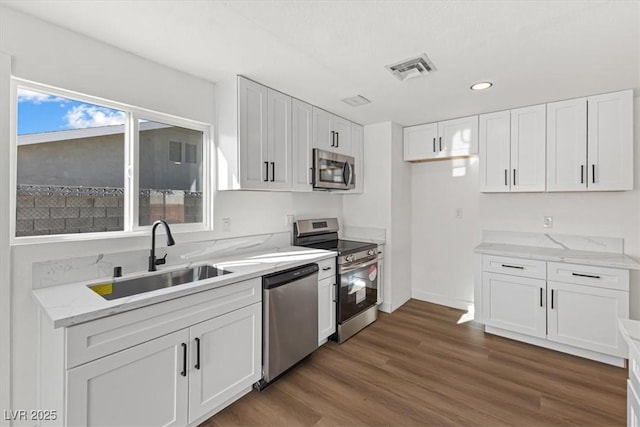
[(602, 259), (74, 303)]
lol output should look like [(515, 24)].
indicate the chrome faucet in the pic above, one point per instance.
[(170, 242)]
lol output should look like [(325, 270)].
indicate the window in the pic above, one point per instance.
[(88, 166)]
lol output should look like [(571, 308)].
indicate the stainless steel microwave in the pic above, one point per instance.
[(333, 171)]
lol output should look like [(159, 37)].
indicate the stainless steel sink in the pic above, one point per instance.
[(127, 287)]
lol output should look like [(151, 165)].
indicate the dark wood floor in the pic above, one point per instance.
[(419, 367)]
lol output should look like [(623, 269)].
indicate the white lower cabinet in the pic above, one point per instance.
[(326, 308), (173, 363), (578, 315), (515, 303), (139, 386), (587, 317), (633, 406)]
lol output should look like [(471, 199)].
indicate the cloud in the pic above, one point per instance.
[(89, 116), (25, 95)]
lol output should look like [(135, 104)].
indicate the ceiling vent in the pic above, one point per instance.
[(413, 67), (356, 101)]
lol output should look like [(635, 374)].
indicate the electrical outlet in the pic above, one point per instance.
[(459, 213), (288, 220), (226, 224), (548, 222)]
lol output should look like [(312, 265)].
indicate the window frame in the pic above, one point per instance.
[(130, 166)]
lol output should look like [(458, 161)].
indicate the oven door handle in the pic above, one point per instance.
[(358, 266)]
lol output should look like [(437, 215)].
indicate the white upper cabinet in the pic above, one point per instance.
[(330, 132), (252, 134), (528, 136), (451, 138), (420, 142), (458, 137), (495, 150), (279, 141), (610, 141), (302, 145), (567, 145)]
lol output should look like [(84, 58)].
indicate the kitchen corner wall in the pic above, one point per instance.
[(442, 243), (51, 55), (385, 204)]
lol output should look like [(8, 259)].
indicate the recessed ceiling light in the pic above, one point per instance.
[(481, 86)]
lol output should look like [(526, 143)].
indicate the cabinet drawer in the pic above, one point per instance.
[(326, 268), (92, 340), (601, 277), (515, 266)]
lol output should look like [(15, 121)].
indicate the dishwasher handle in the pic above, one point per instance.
[(287, 276)]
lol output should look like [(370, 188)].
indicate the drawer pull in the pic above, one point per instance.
[(540, 297), (552, 299), (591, 276), (184, 360), (519, 267), (197, 366), (326, 268)]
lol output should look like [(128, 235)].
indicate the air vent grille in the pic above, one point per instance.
[(412, 67)]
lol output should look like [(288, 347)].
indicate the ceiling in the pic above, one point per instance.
[(323, 51)]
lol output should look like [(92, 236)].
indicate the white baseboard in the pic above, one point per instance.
[(441, 299)]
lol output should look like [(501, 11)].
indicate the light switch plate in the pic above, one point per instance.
[(548, 222)]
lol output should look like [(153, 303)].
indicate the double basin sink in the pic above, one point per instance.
[(161, 279)]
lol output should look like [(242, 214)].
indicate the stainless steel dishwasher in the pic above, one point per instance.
[(290, 319)]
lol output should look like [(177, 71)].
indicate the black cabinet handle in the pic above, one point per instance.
[(440, 143), (581, 174), (593, 173), (337, 139), (326, 268), (310, 175), (184, 360), (552, 299), (586, 275), (506, 173), (514, 177), (197, 353), (333, 138), (540, 297), (266, 171), (434, 144), (519, 267), (273, 171)]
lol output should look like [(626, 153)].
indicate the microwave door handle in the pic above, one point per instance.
[(345, 171), (350, 174)]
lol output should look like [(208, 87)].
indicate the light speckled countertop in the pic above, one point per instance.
[(602, 259), (74, 303)]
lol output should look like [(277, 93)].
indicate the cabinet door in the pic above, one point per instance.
[(514, 303), (495, 143), (326, 308), (342, 128), (380, 276), (633, 406), (610, 141), (252, 134), (420, 142), (302, 145), (587, 317), (567, 145), (229, 356), (323, 137), (140, 386), (279, 140), (528, 149), (458, 137)]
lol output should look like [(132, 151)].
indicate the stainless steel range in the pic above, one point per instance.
[(357, 273)]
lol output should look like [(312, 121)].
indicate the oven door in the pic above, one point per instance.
[(358, 288), (332, 171)]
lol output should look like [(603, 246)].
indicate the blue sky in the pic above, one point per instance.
[(40, 112)]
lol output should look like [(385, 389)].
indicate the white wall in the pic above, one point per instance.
[(51, 55), (442, 246), (386, 203)]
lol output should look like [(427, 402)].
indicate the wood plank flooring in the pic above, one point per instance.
[(418, 367)]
